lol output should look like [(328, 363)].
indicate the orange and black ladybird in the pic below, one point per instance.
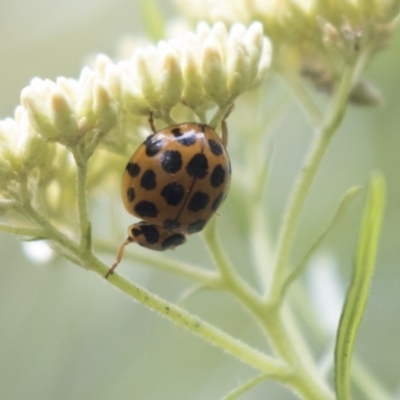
[(174, 182)]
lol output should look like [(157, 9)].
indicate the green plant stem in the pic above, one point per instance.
[(219, 114), (245, 387), (303, 184), (206, 331), (84, 222), (282, 332), (304, 380), (296, 84), (65, 246), (31, 233), (229, 277), (208, 279), (260, 243), (298, 270)]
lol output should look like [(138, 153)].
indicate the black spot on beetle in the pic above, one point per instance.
[(146, 209), (197, 167), (171, 161), (148, 180), (153, 145), (198, 201), (196, 226), (215, 147), (176, 131), (133, 169), (172, 241), (135, 232), (173, 193), (188, 139), (130, 193), (218, 176), (151, 233), (171, 224), (217, 202)]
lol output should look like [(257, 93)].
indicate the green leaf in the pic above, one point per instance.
[(357, 294)]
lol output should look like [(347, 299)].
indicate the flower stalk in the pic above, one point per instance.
[(301, 189)]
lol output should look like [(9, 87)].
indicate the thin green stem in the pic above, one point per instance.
[(304, 379), (285, 338), (7, 204), (219, 114), (229, 277), (64, 245), (296, 85), (245, 387), (201, 115), (260, 245), (208, 332), (195, 325), (32, 233), (61, 241), (84, 222), (344, 204), (91, 147), (259, 240), (208, 279), (303, 184)]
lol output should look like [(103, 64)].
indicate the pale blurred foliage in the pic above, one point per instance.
[(67, 335)]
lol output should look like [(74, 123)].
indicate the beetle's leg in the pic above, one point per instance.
[(119, 257), (224, 127), (151, 122)]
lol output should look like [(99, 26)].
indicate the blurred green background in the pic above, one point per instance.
[(65, 334)]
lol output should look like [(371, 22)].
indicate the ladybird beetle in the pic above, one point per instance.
[(174, 182)]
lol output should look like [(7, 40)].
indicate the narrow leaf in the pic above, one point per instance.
[(357, 294)]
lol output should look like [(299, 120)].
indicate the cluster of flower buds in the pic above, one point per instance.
[(69, 111), (21, 149), (316, 38), (201, 70), (210, 67)]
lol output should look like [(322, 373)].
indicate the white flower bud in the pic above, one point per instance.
[(84, 106), (9, 161), (38, 114), (171, 80), (103, 63), (238, 70), (220, 34), (32, 147), (113, 82), (63, 115), (145, 63), (193, 91), (104, 108), (214, 74), (256, 44), (6, 172)]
